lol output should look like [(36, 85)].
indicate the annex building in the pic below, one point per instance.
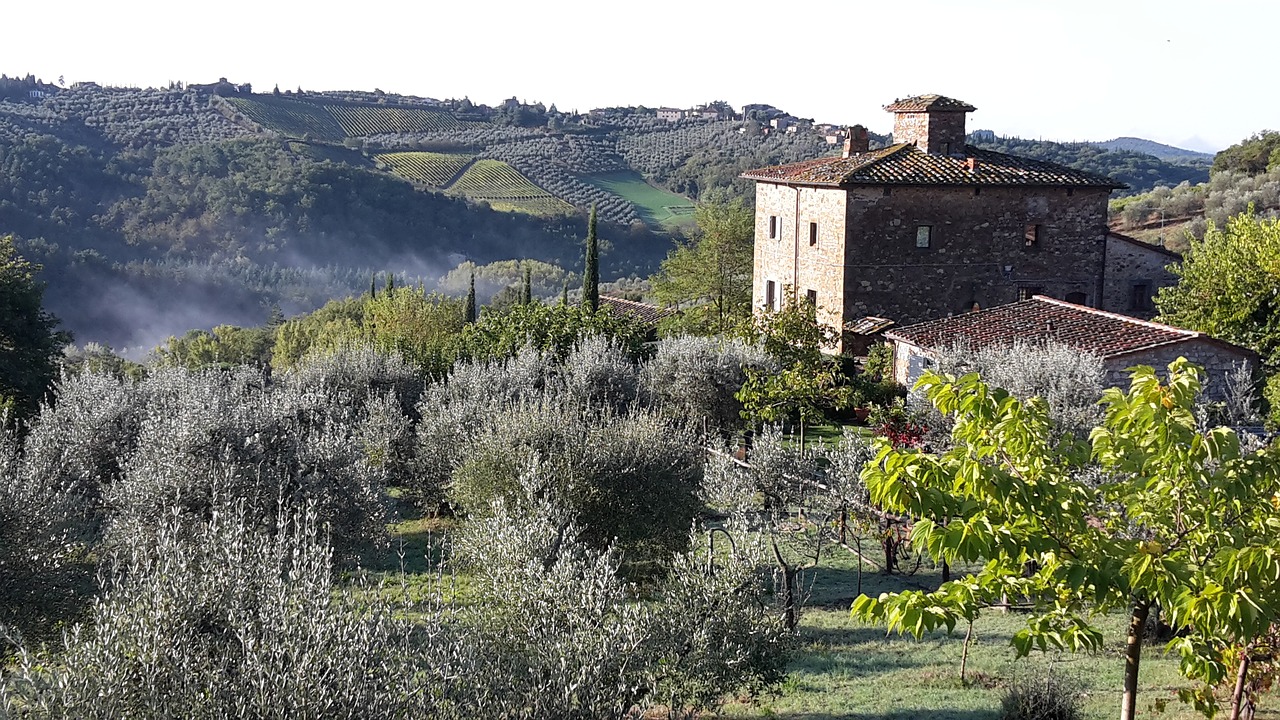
[(929, 227)]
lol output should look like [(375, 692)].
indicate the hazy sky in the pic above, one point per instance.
[(1195, 74)]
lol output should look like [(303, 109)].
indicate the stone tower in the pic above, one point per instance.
[(933, 123)]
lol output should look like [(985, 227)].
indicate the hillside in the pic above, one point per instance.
[(1139, 170), (157, 210), (1168, 153)]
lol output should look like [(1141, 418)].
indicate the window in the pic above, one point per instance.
[(1026, 292), (946, 148), (813, 234), (924, 233), (770, 294), (1078, 298), (812, 297), (888, 192), (1031, 236), (1140, 296), (773, 227)]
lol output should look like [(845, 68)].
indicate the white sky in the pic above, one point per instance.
[(1193, 74)]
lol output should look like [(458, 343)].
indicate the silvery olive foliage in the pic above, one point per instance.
[(209, 439), (451, 412), (355, 373), (1070, 381), (696, 378), (83, 438), (598, 373), (563, 624), (632, 480), (39, 526), (225, 622)]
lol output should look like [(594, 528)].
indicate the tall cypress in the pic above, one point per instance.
[(591, 269), (470, 308), (564, 293), (526, 290), (373, 286)]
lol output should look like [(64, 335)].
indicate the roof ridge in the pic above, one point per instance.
[(1117, 316)]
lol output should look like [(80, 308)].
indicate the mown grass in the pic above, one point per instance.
[(847, 669), (656, 206)]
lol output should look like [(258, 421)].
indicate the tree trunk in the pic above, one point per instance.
[(1132, 658), (964, 657), (1242, 674), (946, 572)]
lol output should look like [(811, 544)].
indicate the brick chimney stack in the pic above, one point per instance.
[(933, 123), (856, 141)]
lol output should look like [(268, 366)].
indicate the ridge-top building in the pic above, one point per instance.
[(928, 226)]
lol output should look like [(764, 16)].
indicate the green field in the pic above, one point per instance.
[(433, 169), (505, 188), (655, 205)]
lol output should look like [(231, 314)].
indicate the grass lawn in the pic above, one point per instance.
[(846, 669), (656, 206)]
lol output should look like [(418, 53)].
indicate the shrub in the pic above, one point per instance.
[(1051, 697), (698, 378), (225, 622), (630, 480)]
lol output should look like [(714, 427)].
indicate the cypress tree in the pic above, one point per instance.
[(470, 308), (564, 293), (373, 286), (391, 281), (526, 290), (591, 269)]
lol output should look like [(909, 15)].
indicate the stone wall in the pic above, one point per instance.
[(977, 248), (1132, 266), (789, 259), (933, 132), (1216, 358)]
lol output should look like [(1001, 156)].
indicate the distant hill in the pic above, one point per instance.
[(158, 210), (1141, 171), (1164, 152)]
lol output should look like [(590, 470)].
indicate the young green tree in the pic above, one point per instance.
[(1229, 285), (30, 344), (526, 286), (1152, 512), (591, 266), (808, 383), (712, 272)]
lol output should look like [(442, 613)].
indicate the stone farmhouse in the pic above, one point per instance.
[(1121, 341), (929, 227)]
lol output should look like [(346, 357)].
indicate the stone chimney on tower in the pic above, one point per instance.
[(933, 123), (856, 141)]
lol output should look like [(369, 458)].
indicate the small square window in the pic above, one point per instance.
[(1031, 236), (773, 227), (770, 294), (1140, 296), (813, 234), (812, 297), (924, 233)]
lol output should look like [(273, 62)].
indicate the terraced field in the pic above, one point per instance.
[(292, 118), (332, 121), (359, 121), (504, 188), (433, 169)]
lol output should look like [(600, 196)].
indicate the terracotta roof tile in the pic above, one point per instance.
[(1043, 318), (645, 313), (905, 164), (923, 103)]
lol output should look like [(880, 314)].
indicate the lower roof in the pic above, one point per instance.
[(1043, 318)]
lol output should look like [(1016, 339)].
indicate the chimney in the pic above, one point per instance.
[(971, 163), (933, 123), (856, 141)]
